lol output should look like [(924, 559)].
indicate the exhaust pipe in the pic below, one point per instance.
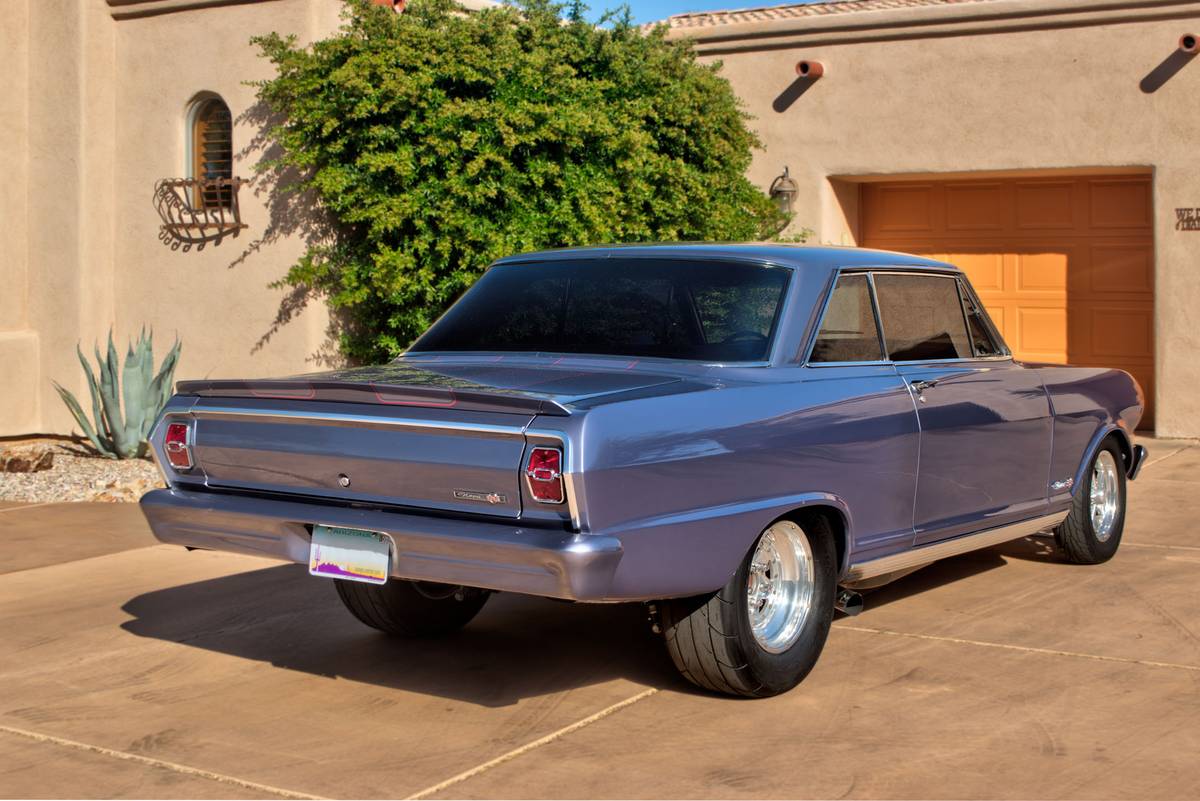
[(810, 69), (848, 602)]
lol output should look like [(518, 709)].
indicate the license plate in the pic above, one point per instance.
[(350, 553)]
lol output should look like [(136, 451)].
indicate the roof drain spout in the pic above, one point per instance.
[(810, 69)]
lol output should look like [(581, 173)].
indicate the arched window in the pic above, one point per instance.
[(210, 140)]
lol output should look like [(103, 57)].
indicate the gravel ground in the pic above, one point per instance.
[(75, 477)]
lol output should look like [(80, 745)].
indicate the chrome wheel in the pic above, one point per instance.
[(779, 588), (1105, 500)]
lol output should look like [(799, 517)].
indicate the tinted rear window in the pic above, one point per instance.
[(707, 311)]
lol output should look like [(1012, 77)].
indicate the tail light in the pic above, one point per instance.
[(543, 473), (178, 445)]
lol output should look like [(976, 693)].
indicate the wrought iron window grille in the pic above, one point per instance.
[(198, 211)]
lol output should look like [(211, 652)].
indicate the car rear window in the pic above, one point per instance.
[(674, 309)]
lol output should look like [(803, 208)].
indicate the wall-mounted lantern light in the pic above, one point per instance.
[(783, 191)]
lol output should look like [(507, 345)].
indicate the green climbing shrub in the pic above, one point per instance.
[(436, 141)]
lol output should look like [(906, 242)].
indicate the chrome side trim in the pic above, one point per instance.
[(919, 557), (354, 420)]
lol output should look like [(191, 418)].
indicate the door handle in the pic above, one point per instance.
[(920, 386)]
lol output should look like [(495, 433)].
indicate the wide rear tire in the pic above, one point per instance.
[(1092, 531), (761, 634), (412, 608)]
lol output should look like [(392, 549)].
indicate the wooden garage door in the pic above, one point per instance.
[(1065, 266)]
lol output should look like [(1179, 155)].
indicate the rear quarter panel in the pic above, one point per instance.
[(689, 481)]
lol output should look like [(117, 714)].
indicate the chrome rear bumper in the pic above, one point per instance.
[(499, 556)]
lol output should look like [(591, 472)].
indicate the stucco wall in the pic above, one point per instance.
[(97, 93), (93, 115), (18, 342), (216, 299), (1062, 97)]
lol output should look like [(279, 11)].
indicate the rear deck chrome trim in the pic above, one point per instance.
[(352, 420), (927, 554)]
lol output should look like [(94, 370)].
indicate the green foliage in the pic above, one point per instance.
[(797, 237), (437, 141), (117, 435)]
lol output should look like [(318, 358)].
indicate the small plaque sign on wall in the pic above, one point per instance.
[(1187, 219)]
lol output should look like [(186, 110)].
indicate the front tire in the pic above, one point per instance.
[(761, 634), (1092, 531), (412, 608)]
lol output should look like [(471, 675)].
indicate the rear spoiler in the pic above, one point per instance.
[(466, 399)]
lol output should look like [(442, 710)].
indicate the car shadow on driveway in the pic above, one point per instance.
[(518, 646)]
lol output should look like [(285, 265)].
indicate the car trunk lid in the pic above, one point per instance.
[(443, 459), (446, 437)]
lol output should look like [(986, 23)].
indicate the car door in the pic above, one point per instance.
[(985, 420), (859, 438)]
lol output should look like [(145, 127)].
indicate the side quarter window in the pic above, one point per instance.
[(982, 340), (848, 331), (922, 317)]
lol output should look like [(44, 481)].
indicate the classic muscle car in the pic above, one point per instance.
[(743, 437)]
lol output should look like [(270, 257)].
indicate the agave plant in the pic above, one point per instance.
[(115, 434)]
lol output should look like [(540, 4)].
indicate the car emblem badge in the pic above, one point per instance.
[(343, 479), (483, 497), (1062, 485)]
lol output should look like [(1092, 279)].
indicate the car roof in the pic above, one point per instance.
[(825, 257)]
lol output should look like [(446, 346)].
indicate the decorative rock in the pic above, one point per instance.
[(79, 477), (26, 459)]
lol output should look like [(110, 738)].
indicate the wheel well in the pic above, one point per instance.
[(837, 524), (1123, 445)]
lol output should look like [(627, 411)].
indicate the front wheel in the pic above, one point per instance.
[(761, 634), (412, 608), (1092, 531)]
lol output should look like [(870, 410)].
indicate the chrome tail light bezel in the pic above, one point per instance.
[(541, 477), (173, 447)]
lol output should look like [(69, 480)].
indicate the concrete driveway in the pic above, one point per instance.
[(129, 669)]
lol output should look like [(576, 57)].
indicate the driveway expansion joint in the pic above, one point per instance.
[(1023, 648), (524, 749), (174, 767)]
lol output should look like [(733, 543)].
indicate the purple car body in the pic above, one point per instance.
[(671, 467)]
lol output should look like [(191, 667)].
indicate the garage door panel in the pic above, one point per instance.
[(1120, 333), (976, 207), (1045, 273), (1125, 269), (905, 210), (986, 270), (1042, 331), (1000, 317), (1119, 203), (1041, 206), (1064, 266)]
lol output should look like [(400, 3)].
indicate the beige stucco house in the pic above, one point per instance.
[(1051, 147)]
